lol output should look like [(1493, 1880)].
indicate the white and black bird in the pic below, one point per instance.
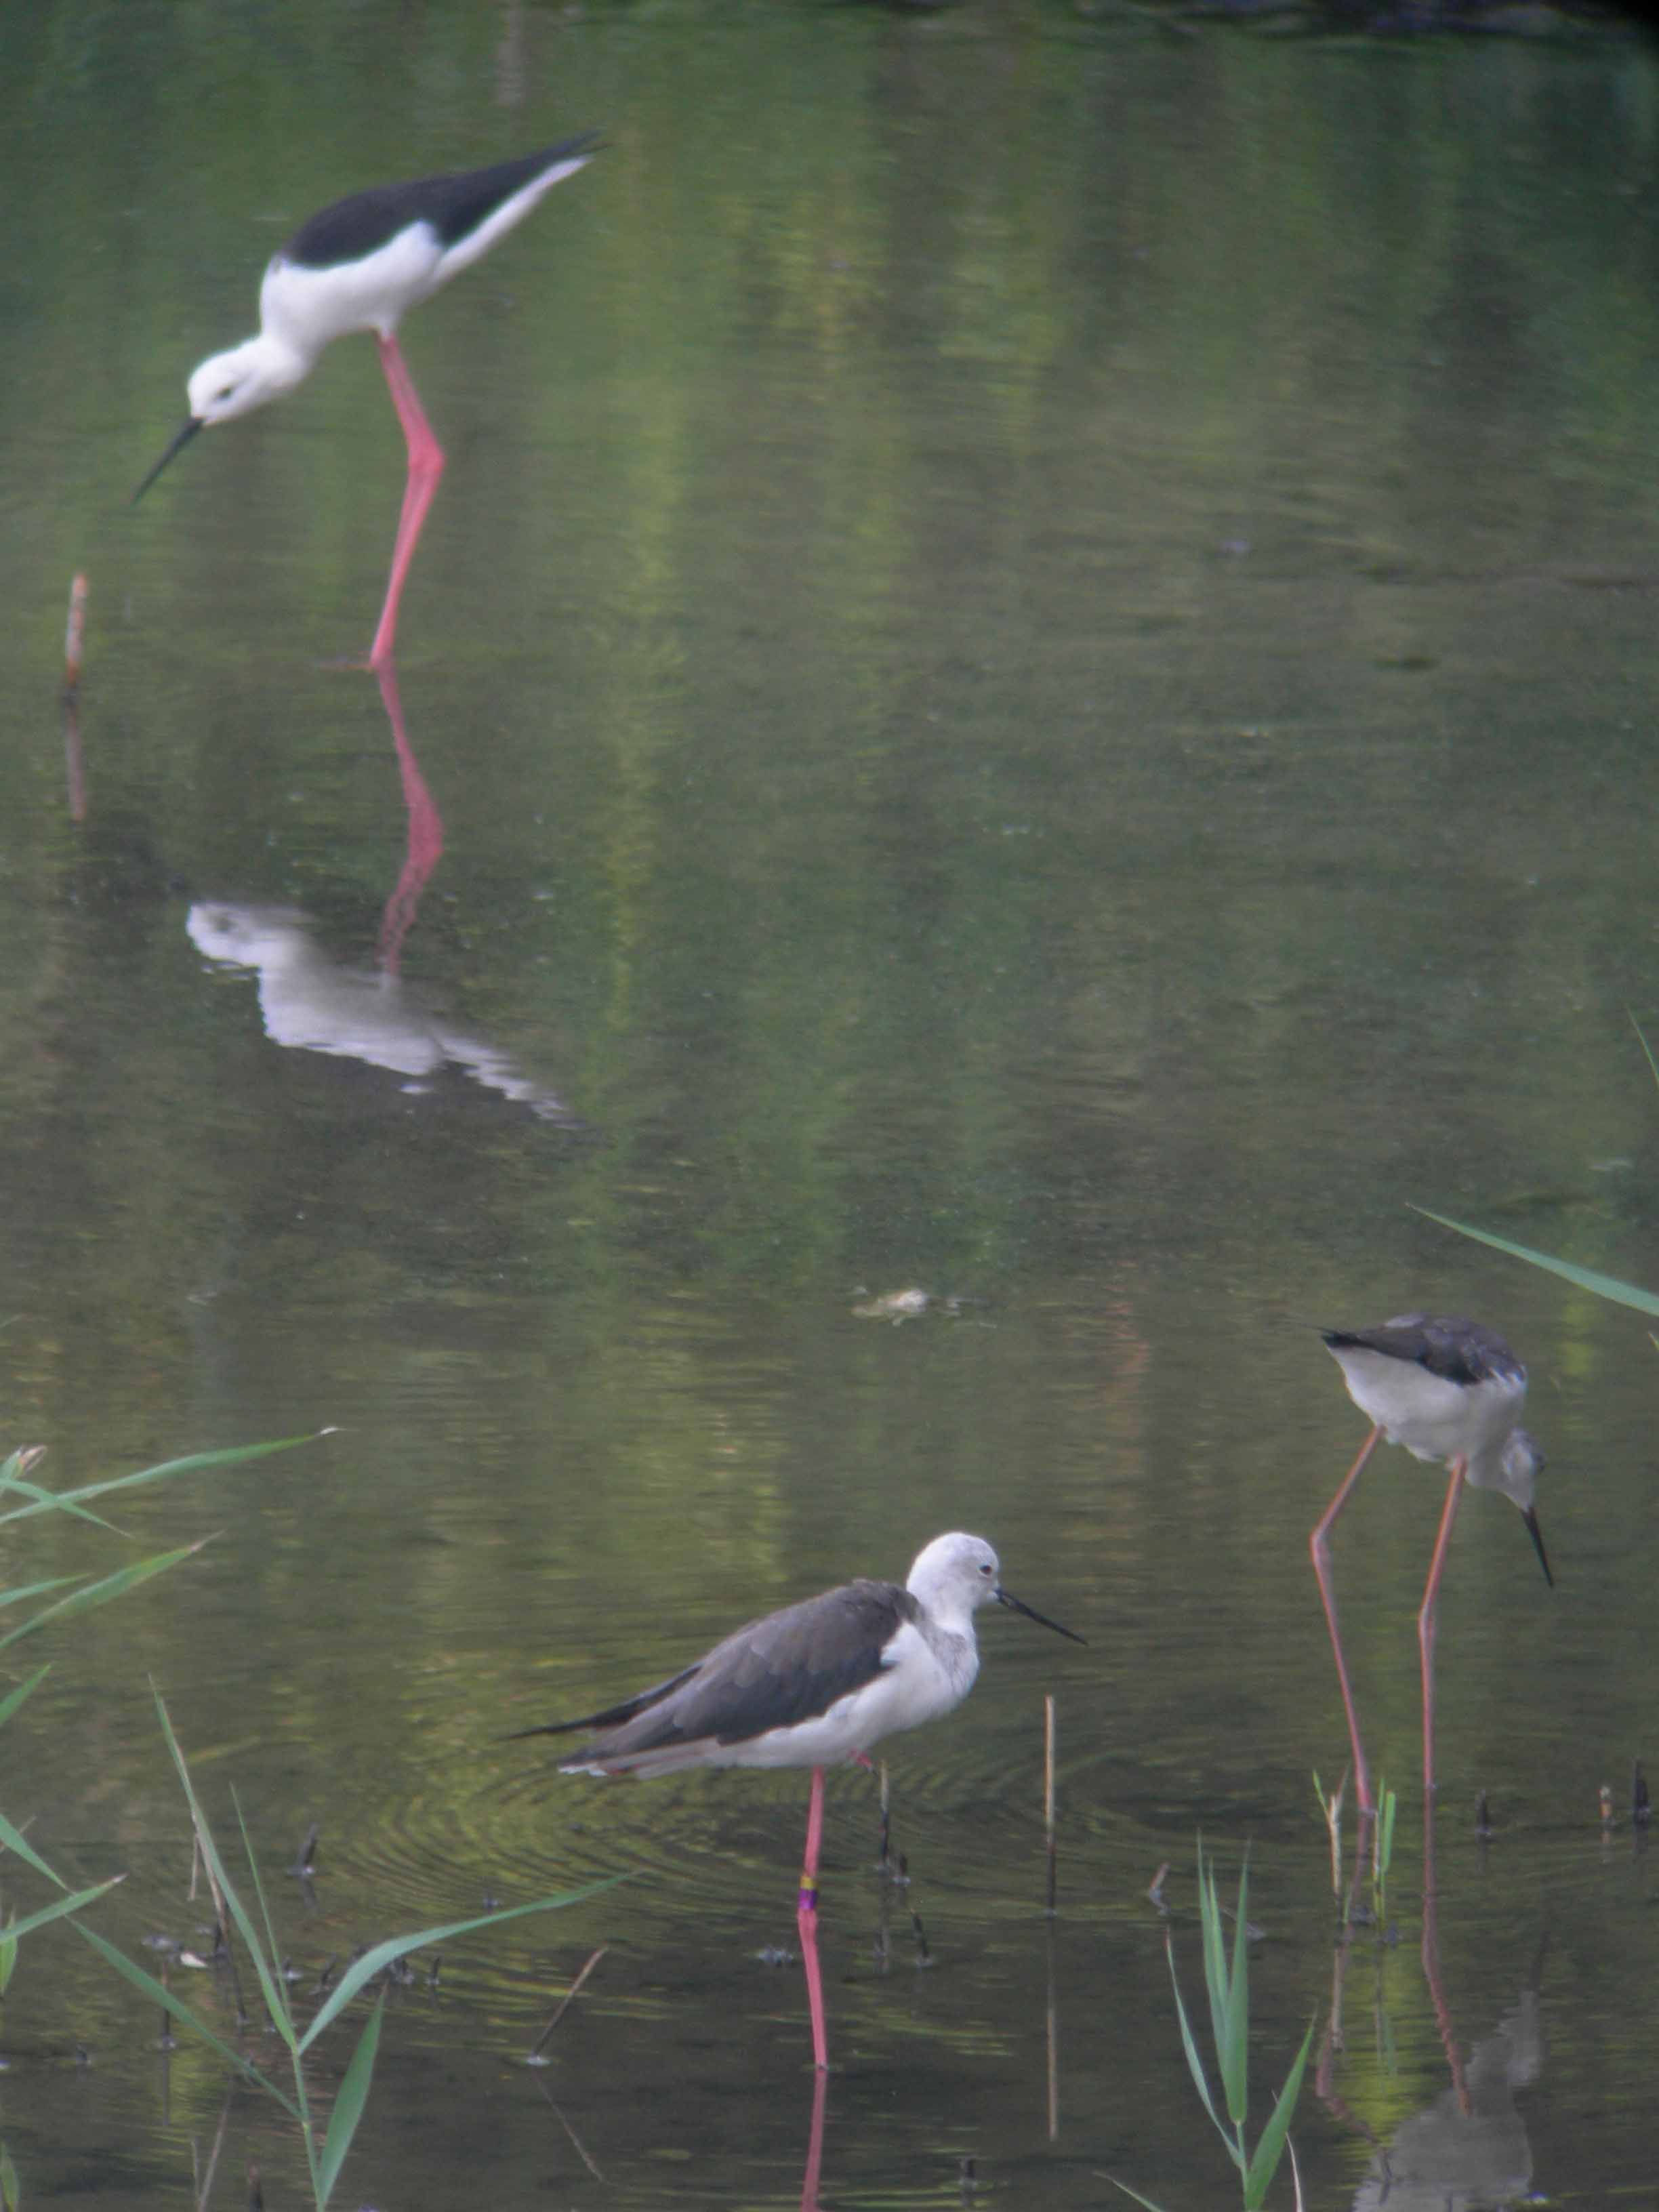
[(1452, 1392), (814, 1684), (360, 265)]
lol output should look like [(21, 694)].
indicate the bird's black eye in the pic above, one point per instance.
[(985, 1566)]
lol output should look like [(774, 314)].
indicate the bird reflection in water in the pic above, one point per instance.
[(1469, 2149), (313, 1003), (316, 1003)]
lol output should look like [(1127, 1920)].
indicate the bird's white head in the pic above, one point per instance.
[(955, 1575), (1519, 1465), (228, 384), (1514, 1470)]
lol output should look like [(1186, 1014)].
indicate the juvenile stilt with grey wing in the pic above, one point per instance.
[(814, 1684)]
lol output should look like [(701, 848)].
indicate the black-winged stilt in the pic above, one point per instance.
[(1452, 1391), (812, 1686), (360, 265)]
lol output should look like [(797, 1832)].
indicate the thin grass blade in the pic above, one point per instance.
[(14, 1839), (233, 1455), (100, 1593), (1194, 2064), (11, 2195), (276, 1996), (1587, 1279), (1235, 2052), (1653, 1063), (1390, 1801), (1215, 1956), (375, 1962), (274, 1948), (348, 2105), (13, 1698), (1264, 2164), (50, 1502), (16, 1929), (27, 1590), (1135, 2193), (160, 1994)]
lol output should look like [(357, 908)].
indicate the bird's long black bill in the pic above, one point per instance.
[(178, 446), (1537, 1535), (1004, 1597)]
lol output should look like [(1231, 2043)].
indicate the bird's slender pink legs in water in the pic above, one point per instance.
[(1427, 1622), (806, 1918), (809, 2180), (426, 465), (1319, 1547)]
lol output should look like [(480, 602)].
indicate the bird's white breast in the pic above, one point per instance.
[(309, 307)]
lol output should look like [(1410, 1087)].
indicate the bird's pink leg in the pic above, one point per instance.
[(1319, 1547), (809, 2183), (1427, 1622), (806, 1919), (426, 465)]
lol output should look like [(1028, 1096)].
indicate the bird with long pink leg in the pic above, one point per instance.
[(1451, 1391), (361, 265), (814, 1684)]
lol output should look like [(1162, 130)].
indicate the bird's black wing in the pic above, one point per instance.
[(453, 205), (1447, 1346), (613, 1715), (774, 1673)]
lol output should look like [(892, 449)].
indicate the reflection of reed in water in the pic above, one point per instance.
[(313, 1004)]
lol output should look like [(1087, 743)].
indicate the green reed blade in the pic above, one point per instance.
[(100, 1593), (349, 2104), (1194, 2064), (1587, 1279), (1135, 2193), (14, 1839), (376, 1960), (16, 1929), (1215, 1955), (50, 1502), (1235, 2055), (160, 1994), (268, 1971), (1265, 2163), (274, 1948), (233, 1455), (27, 1590), (13, 1698)]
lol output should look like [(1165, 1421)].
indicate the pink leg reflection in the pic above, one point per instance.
[(425, 846)]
